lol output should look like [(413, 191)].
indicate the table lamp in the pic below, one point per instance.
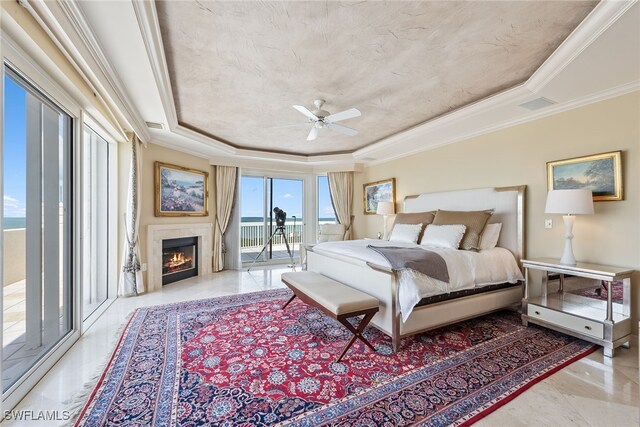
[(385, 209), (569, 203)]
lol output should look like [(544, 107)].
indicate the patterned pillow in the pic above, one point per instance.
[(474, 220)]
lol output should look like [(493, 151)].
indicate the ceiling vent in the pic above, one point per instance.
[(154, 125), (538, 103)]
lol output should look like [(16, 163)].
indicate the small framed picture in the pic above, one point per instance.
[(181, 191), (600, 173), (379, 191)]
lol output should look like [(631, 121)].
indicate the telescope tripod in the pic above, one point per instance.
[(279, 230)]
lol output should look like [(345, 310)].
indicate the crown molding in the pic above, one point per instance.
[(605, 14), (147, 17), (68, 30), (550, 111), (114, 86)]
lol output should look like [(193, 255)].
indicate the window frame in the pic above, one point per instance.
[(112, 268), (24, 66)]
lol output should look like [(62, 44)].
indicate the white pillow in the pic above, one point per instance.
[(406, 233), (443, 236), (490, 236)]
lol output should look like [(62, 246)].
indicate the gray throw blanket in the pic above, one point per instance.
[(420, 260)]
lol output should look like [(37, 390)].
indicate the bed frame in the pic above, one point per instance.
[(382, 282)]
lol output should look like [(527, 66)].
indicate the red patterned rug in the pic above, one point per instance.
[(600, 292), (241, 361)]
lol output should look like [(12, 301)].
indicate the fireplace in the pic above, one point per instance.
[(179, 259)]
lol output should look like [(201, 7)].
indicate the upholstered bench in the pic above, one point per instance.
[(337, 300)]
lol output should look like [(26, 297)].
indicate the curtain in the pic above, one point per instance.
[(131, 282), (232, 256), (341, 192), (225, 191)]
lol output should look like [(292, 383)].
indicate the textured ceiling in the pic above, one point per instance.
[(237, 68)]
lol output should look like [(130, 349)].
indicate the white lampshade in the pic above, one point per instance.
[(385, 208), (569, 202)]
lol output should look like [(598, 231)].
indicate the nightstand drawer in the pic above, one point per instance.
[(567, 321)]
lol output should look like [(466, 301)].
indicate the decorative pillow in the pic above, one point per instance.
[(423, 218), (490, 236), (474, 220), (443, 236), (406, 233), (331, 232)]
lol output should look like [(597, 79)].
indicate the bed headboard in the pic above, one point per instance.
[(508, 202)]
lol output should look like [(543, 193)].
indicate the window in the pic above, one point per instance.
[(37, 307), (96, 209), (259, 229)]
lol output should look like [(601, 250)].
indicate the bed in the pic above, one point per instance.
[(378, 279)]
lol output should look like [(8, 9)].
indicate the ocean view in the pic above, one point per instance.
[(13, 223), (289, 219)]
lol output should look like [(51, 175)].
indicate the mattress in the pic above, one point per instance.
[(467, 269)]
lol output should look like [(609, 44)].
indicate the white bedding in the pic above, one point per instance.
[(467, 269)]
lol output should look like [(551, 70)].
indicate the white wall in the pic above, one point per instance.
[(518, 155)]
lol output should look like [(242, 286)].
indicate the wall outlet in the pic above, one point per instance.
[(143, 267), (548, 223)]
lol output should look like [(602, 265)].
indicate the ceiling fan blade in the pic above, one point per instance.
[(306, 112), (313, 134), (342, 129), (343, 115)]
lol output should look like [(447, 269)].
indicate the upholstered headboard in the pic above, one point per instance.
[(508, 203)]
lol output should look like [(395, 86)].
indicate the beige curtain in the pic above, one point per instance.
[(225, 191), (341, 191), (131, 282)]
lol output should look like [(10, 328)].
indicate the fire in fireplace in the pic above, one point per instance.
[(179, 259)]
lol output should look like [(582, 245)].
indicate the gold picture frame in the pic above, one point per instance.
[(600, 173), (378, 191), (181, 191)]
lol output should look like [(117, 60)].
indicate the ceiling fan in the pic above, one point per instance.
[(320, 118)]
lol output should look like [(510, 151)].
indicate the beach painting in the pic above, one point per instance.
[(600, 173), (181, 191), (376, 192)]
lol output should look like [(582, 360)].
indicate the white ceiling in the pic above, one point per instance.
[(600, 59)]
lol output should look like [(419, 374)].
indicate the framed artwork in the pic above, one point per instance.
[(181, 191), (600, 173), (379, 191)]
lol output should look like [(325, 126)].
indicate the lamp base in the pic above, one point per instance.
[(567, 257)]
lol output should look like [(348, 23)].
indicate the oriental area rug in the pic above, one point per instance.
[(241, 361)]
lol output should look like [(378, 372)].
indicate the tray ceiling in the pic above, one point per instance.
[(236, 68)]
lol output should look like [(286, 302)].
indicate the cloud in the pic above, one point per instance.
[(11, 202), (13, 207), (287, 196)]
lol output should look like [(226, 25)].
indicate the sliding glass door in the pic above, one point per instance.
[(37, 304), (96, 209), (264, 234)]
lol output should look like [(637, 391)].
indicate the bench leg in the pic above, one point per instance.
[(291, 299), (357, 333)]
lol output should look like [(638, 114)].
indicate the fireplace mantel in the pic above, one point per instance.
[(157, 233)]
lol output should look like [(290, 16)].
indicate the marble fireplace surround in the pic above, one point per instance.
[(157, 233)]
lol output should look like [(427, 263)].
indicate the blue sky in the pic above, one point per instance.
[(15, 154), (287, 195)]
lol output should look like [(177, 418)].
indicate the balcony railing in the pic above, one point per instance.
[(252, 234)]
